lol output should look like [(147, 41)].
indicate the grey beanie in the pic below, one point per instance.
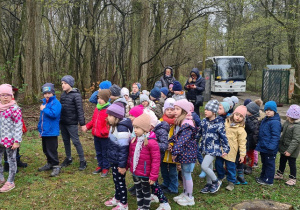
[(115, 90), (212, 105), (69, 79), (144, 97), (253, 108), (48, 88)]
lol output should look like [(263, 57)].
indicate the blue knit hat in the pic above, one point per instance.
[(105, 85), (177, 86), (164, 90), (155, 93), (226, 106), (271, 105), (48, 88), (138, 84), (68, 79), (247, 101)]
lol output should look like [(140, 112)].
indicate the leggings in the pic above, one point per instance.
[(207, 167), (11, 158)]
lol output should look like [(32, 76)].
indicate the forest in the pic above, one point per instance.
[(126, 41)]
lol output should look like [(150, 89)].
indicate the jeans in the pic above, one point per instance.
[(170, 176), (231, 168), (268, 167), (101, 145)]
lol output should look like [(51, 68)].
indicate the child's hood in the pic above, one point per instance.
[(122, 100), (127, 123), (162, 125)]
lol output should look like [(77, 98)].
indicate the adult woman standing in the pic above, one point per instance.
[(195, 86), (168, 79)]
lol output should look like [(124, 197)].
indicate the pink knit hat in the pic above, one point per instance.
[(293, 112), (136, 111), (153, 118), (142, 122), (241, 110), (183, 104), (6, 88)]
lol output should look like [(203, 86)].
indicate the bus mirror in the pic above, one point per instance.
[(249, 65)]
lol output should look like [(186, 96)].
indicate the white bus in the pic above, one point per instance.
[(228, 73)]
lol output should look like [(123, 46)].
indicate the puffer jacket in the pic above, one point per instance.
[(166, 81), (200, 86), (214, 139), (185, 146), (72, 109), (236, 136), (149, 161), (11, 126), (49, 118), (158, 110), (290, 138), (162, 131), (118, 147), (99, 125), (252, 129), (269, 135)]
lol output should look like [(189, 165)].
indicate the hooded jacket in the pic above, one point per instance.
[(200, 85), (290, 138), (72, 109), (118, 147), (269, 135), (162, 131), (99, 125), (252, 129), (166, 81)]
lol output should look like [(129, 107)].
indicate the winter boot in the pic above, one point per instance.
[(20, 163), (240, 177)]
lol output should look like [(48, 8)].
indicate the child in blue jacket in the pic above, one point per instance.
[(268, 142), (48, 127)]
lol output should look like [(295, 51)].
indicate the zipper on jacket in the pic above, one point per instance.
[(145, 164), (96, 123)]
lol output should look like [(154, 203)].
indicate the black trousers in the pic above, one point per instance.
[(50, 145), (292, 164)]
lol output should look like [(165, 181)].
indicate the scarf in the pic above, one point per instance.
[(101, 106), (4, 107), (170, 121), (137, 151)]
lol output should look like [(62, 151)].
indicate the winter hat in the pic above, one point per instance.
[(293, 112), (6, 88), (146, 92), (234, 99), (247, 101), (169, 103), (142, 122), (183, 104), (124, 91), (105, 85), (226, 106), (158, 84), (253, 108), (116, 109), (241, 110), (212, 105), (153, 118), (271, 105), (104, 94), (228, 100), (136, 111), (138, 84), (144, 97), (155, 93), (68, 79), (177, 86), (115, 90), (164, 90), (48, 88)]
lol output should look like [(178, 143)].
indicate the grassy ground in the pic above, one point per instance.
[(74, 189)]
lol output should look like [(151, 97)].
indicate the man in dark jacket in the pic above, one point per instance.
[(195, 86), (71, 114)]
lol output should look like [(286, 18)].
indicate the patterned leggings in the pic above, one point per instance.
[(156, 190), (143, 194), (120, 186), (11, 157)]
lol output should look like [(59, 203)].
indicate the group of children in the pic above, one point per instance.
[(145, 132)]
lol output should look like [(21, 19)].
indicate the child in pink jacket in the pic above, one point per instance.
[(143, 160)]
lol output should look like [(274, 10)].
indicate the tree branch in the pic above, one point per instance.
[(272, 15)]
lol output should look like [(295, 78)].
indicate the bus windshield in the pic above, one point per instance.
[(230, 69)]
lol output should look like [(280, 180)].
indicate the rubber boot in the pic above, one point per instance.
[(240, 177)]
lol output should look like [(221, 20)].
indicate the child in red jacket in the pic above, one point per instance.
[(100, 131), (143, 160)]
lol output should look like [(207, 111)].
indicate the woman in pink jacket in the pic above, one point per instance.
[(143, 160)]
